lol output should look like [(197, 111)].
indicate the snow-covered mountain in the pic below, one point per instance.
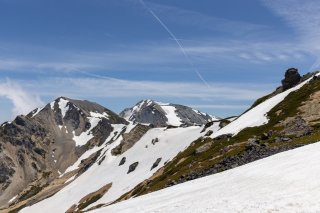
[(93, 158), (84, 140), (37, 148), (163, 114)]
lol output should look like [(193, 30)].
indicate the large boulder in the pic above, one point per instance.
[(291, 78)]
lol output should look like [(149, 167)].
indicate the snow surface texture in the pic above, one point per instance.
[(257, 116), (285, 182), (171, 142)]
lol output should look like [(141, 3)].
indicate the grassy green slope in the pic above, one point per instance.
[(227, 153)]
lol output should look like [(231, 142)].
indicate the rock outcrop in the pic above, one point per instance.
[(292, 78), (133, 167)]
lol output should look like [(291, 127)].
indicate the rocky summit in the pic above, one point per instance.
[(291, 78), (162, 114)]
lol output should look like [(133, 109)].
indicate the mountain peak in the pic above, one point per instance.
[(164, 114)]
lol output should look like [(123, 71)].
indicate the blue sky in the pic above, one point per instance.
[(115, 52)]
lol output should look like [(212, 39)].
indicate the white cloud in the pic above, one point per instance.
[(22, 101), (160, 56), (304, 18), (102, 87)]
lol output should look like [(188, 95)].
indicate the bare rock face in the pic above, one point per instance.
[(292, 78), (297, 126), (129, 139), (6, 171)]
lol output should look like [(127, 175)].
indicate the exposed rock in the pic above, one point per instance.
[(309, 110), (203, 148), (285, 139), (297, 127), (292, 78), (222, 137), (253, 152), (88, 162), (154, 141), (6, 171), (224, 123), (208, 133), (266, 135), (89, 199), (40, 151), (154, 113), (253, 141), (123, 160), (309, 75), (129, 139), (20, 121), (132, 167), (207, 125), (101, 160), (101, 132), (156, 163)]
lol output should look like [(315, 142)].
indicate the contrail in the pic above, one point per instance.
[(177, 41)]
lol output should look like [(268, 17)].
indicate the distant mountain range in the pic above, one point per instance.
[(76, 156)]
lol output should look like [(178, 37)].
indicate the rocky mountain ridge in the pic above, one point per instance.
[(47, 141), (160, 114), (156, 146)]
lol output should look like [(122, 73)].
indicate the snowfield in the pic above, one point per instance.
[(285, 182), (170, 143)]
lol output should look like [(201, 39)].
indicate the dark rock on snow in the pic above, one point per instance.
[(156, 163), (123, 160), (132, 167)]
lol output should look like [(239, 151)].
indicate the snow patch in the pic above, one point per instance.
[(12, 199), (37, 111), (171, 115), (52, 105), (70, 179), (99, 115), (63, 105), (84, 137)]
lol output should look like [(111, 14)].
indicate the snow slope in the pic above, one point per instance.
[(171, 142), (172, 117), (257, 116), (285, 182)]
